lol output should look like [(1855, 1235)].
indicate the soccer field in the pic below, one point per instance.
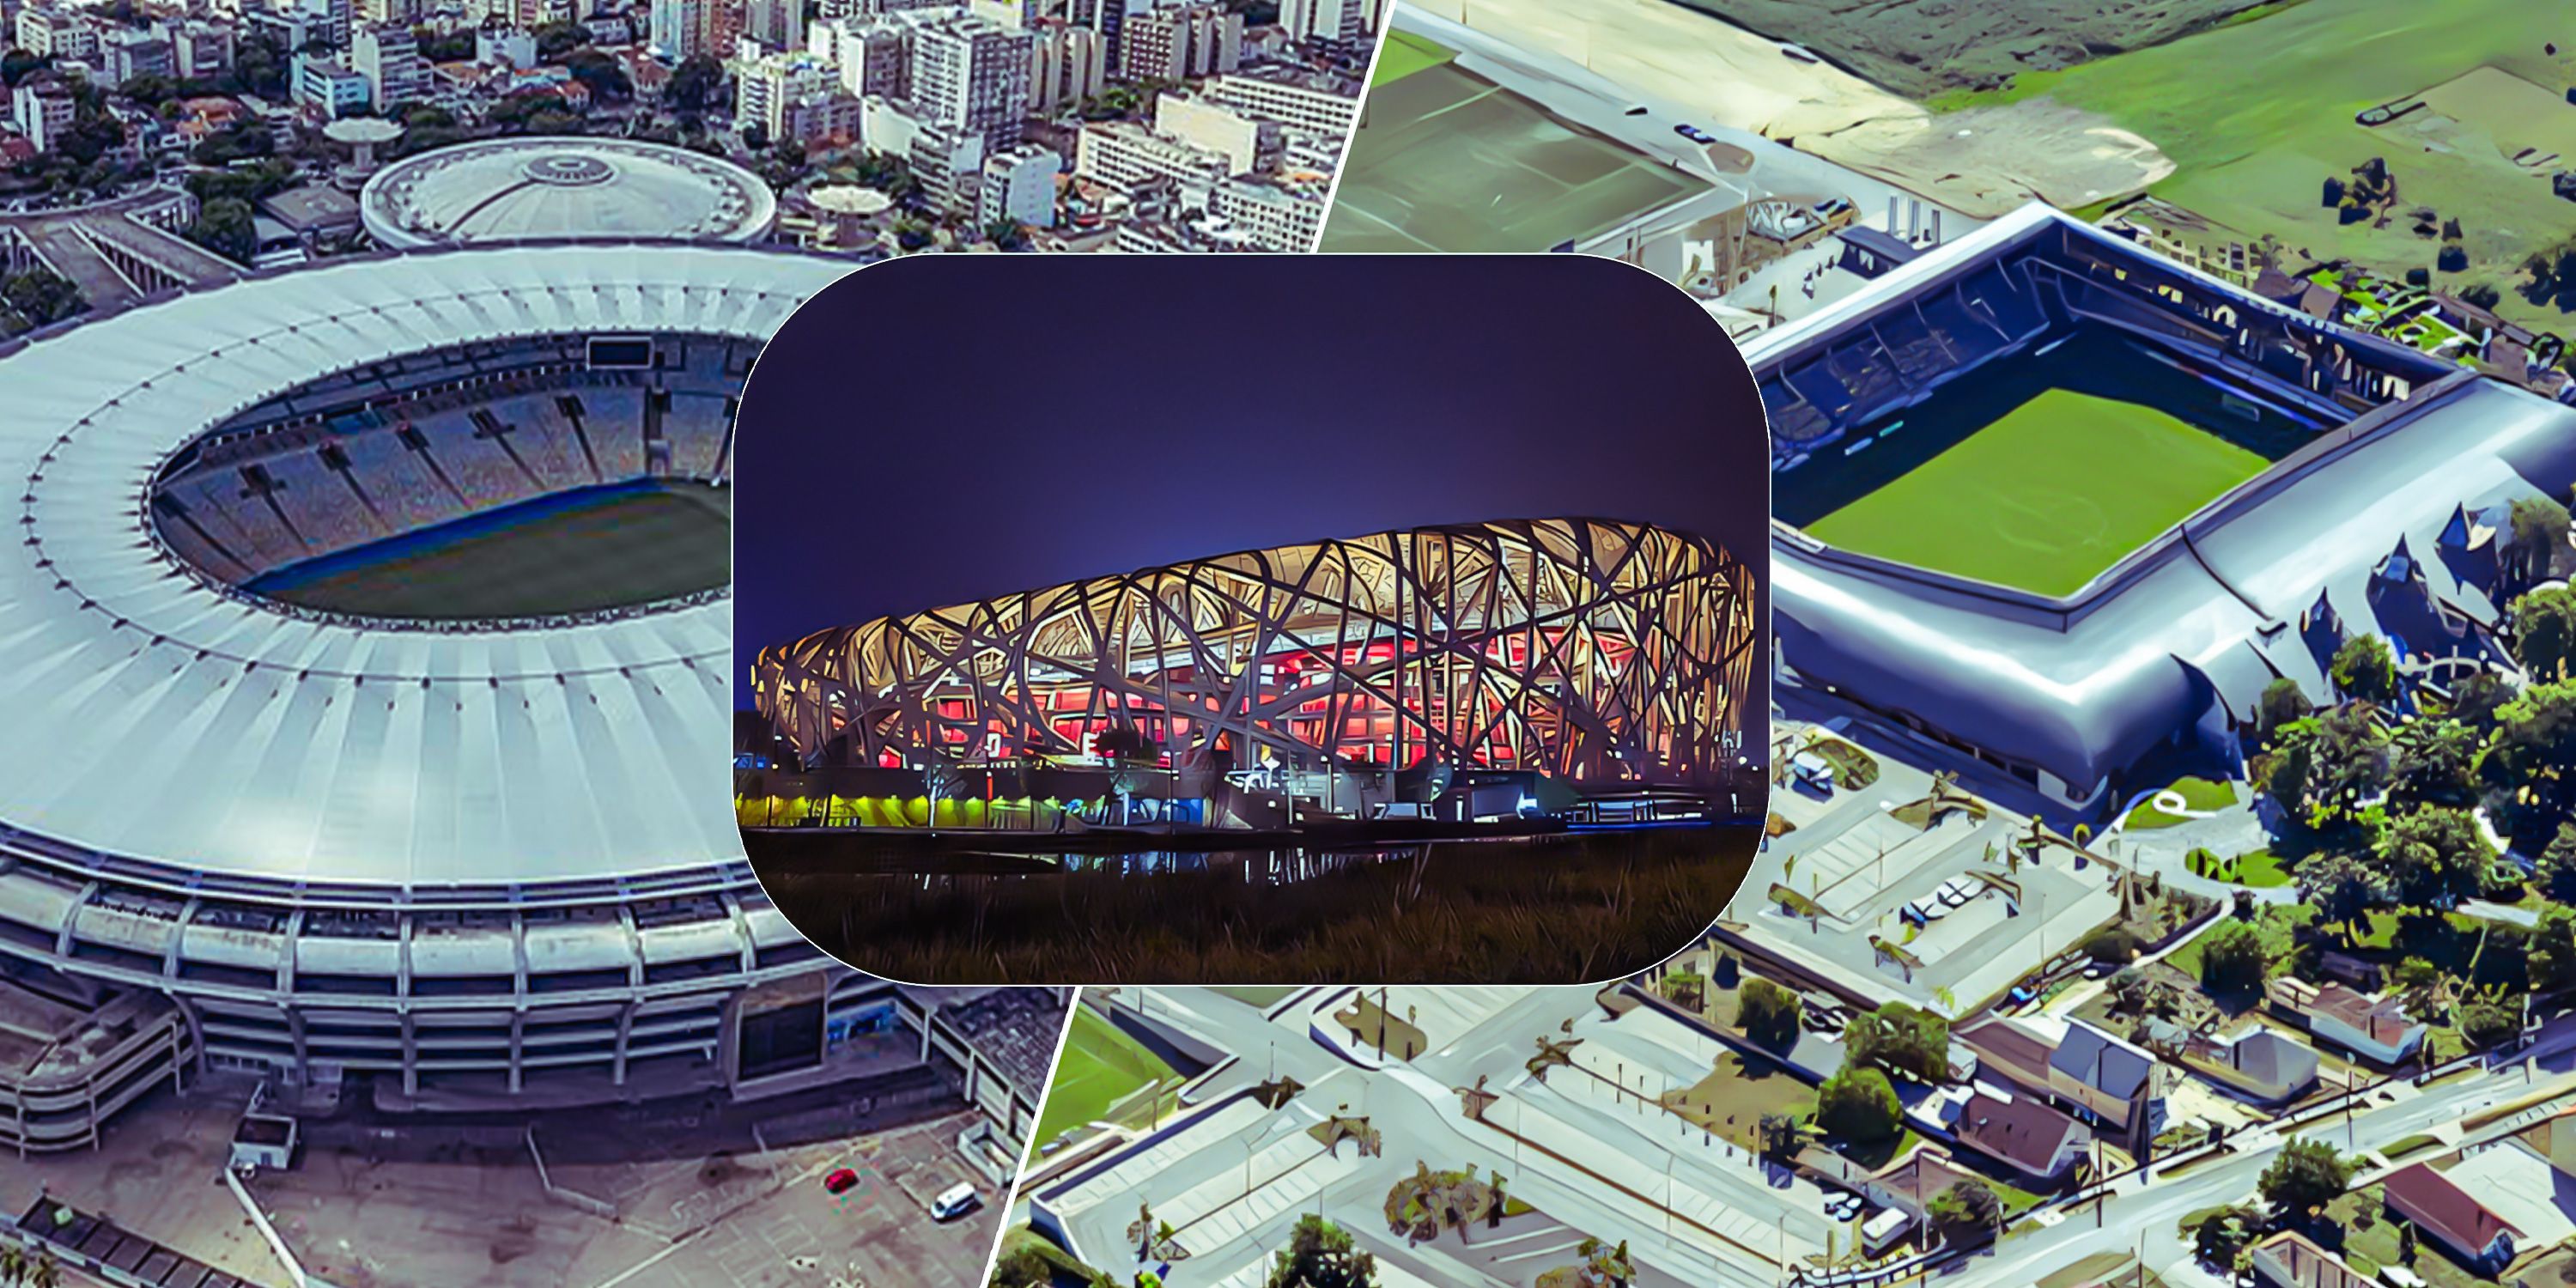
[(1405, 54), (1101, 1067), (601, 547), (2047, 496)]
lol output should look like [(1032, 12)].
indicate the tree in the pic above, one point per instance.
[(2351, 757), (224, 227), (2556, 870), (37, 297), (1779, 1136), (2434, 855), (2535, 747), (2364, 669), (2481, 294), (2535, 537), (2485, 1023), (1859, 1104), (2542, 625), (1900, 1039), (2306, 1175), (2476, 696), (693, 83), (2434, 761), (1320, 1255), (1967, 1212), (2232, 957), (1768, 1013), (2341, 886), (2282, 702), (2224, 1234), (1007, 234), (1022, 1267)]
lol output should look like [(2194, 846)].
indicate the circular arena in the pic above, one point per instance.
[(535, 188), (269, 806)]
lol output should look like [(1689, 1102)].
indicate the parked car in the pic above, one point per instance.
[(840, 1180), (955, 1201), (1694, 133)]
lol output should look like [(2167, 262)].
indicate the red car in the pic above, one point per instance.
[(840, 1181)]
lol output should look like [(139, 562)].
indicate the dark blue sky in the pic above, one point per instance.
[(945, 428)]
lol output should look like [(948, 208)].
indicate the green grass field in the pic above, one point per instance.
[(2254, 158), (566, 554), (1101, 1069), (1405, 54), (2047, 496)]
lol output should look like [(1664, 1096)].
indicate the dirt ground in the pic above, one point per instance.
[(1920, 47), (1981, 161)]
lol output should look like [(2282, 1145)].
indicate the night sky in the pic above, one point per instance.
[(946, 428)]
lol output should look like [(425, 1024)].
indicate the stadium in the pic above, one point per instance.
[(2075, 572), (1457, 672), (540, 188), (370, 634)]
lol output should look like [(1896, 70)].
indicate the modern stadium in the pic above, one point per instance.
[(2055, 509), (1461, 673), (535, 188), (369, 636)]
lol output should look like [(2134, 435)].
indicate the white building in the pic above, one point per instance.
[(51, 33), (126, 53), (1337, 23), (505, 46), (1273, 216), (42, 107), (773, 23), (201, 48), (1318, 106), (1019, 186), (947, 160), (973, 75), (389, 58), (1124, 154), (682, 29), (766, 88), (406, 12), (1067, 64), (330, 85), (1248, 146)]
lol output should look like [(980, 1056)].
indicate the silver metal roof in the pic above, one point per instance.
[(153, 716), (517, 189), (2086, 686)]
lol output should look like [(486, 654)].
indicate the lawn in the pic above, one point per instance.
[(2278, 924), (1101, 1074), (1406, 53), (600, 547), (2196, 793), (2255, 158), (1731, 1100), (1378, 1028), (2046, 497)]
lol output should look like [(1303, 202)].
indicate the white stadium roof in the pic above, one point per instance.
[(516, 189), (151, 715)]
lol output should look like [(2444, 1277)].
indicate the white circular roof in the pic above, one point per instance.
[(362, 129), (521, 189), (154, 716), (849, 199)]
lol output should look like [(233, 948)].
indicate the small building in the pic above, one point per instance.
[(264, 1140), (2293, 1260), (2022, 1133), (313, 212), (2262, 1064), (2466, 1229), (2373, 1027)]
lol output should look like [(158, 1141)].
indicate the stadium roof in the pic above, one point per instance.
[(156, 716), (517, 189), (2084, 687)]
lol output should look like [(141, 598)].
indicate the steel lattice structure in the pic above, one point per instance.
[(1589, 650)]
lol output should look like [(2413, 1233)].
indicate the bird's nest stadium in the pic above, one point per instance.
[(345, 743), (2055, 510)]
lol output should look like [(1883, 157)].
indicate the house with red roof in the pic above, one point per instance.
[(2451, 1217)]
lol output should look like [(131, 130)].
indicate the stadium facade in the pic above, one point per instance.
[(557, 188), (480, 862), (2381, 519), (1591, 655)]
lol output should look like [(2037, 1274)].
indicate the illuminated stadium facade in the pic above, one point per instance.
[(2357, 488), (265, 824), (1596, 655)]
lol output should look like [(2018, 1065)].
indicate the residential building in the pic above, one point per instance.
[(870, 55), (53, 33), (330, 86), (1019, 186), (1248, 146), (2374, 1027), (1336, 24), (767, 87), (1323, 106), (2451, 1217), (406, 12), (2020, 1132), (201, 48), (1178, 43), (1272, 215), (819, 114), (682, 29), (389, 58), (331, 20), (2261, 1063), (126, 53), (2111, 1083), (1125, 154), (42, 107), (505, 47), (971, 74), (948, 161), (2290, 1259), (1067, 64)]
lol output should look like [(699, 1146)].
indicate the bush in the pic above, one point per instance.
[(2232, 957), (2115, 944), (2419, 277), (2486, 1024), (1859, 1105), (1767, 1012)]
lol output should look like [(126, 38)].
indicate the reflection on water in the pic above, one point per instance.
[(1556, 909)]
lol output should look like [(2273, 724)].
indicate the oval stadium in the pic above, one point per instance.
[(369, 631)]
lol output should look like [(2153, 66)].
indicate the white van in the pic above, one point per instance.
[(955, 1201)]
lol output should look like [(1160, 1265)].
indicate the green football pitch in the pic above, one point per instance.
[(573, 553), (1102, 1069), (2047, 496), (1406, 53)]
